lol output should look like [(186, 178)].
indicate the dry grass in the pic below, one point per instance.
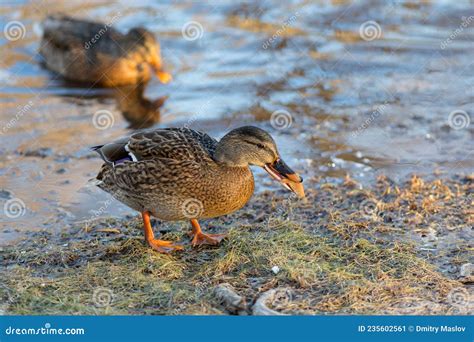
[(334, 256)]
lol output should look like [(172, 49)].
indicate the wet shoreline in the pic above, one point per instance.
[(353, 99), (370, 102)]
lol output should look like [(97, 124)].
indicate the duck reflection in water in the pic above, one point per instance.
[(139, 111)]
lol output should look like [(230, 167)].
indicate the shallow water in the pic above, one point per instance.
[(362, 88)]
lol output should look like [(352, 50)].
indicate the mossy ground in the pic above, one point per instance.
[(347, 250)]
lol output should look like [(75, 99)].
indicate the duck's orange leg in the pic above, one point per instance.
[(204, 239), (158, 245)]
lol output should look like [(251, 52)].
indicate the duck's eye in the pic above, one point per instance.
[(260, 146)]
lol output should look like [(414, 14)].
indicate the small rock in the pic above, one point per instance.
[(429, 235), (260, 307), (275, 269), (229, 298), (41, 152), (62, 159), (5, 194)]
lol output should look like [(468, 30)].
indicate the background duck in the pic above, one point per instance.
[(86, 51), (182, 174)]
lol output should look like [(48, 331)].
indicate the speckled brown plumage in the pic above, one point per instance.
[(93, 52), (175, 176)]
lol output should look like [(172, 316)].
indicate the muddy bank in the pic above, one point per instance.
[(392, 248)]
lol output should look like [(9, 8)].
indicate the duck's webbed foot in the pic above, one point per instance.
[(163, 246), (204, 239), (207, 239), (158, 245)]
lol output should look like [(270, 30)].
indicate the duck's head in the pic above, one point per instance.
[(249, 145), (149, 49)]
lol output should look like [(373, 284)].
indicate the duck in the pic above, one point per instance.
[(96, 53), (177, 174)]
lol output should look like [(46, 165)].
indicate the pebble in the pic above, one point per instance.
[(5, 194), (230, 299), (41, 152)]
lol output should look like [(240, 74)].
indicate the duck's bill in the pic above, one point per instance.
[(163, 76), (286, 176)]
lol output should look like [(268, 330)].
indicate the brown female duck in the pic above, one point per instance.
[(182, 174), (96, 53)]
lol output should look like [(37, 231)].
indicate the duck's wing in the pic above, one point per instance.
[(173, 143), (66, 33), (87, 37), (159, 156), (179, 144)]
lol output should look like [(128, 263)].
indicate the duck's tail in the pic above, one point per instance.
[(114, 153)]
